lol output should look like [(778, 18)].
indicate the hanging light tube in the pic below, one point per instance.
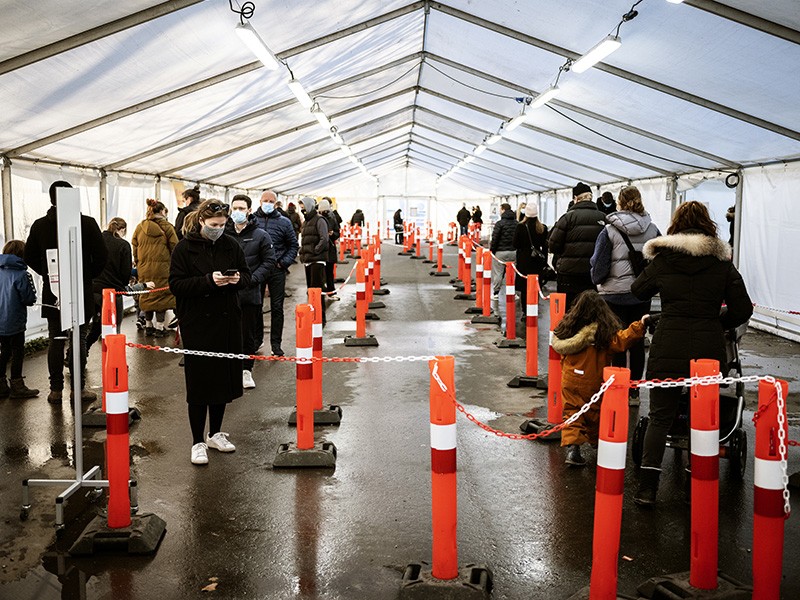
[(345, 149), (257, 46), (596, 54), (516, 121), (321, 117), (469, 159), (675, 1), (493, 139), (334, 132), (546, 96), (300, 93), (479, 149)]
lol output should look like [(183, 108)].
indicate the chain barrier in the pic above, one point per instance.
[(140, 292), (778, 310), (514, 264), (344, 283)]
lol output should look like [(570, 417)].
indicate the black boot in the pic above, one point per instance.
[(20, 390), (574, 456), (648, 486), (4, 389)]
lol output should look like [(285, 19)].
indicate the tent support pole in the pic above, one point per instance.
[(103, 198), (8, 211), (737, 223)]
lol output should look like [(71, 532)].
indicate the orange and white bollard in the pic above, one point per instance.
[(370, 284), (478, 308), (376, 287), (466, 294), (610, 486), (315, 300), (418, 245), (704, 445), (486, 303), (444, 574), (115, 388), (108, 320), (440, 257), (305, 453), (531, 376), (510, 340), (769, 505), (361, 338)]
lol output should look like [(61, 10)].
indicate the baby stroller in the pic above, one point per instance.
[(732, 437)]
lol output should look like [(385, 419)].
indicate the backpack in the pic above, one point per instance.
[(637, 259)]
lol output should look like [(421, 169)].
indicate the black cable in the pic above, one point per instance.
[(469, 86), (602, 135), (245, 11), (371, 91)]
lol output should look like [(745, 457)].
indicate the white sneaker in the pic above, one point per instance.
[(247, 380), (200, 454), (220, 442)]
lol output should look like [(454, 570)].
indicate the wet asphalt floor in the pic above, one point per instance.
[(348, 534)]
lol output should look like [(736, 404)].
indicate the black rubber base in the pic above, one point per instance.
[(420, 257), (376, 304), (404, 253), (490, 320), (142, 537), (523, 381), (473, 582), (473, 310), (321, 456), (537, 426), (370, 316), (325, 416), (428, 262), (513, 343), (677, 586), (440, 274), (342, 262), (463, 296), (369, 340), (338, 280), (95, 417), (381, 292)]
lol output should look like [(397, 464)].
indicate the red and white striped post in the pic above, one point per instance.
[(467, 267), (610, 485), (443, 468), (558, 307), (531, 376), (487, 284), (108, 320), (315, 300), (361, 338), (115, 386), (704, 440), (511, 302), (768, 503), (304, 331), (478, 308), (460, 275), (440, 257), (418, 240)]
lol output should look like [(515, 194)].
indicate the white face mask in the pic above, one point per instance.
[(267, 207), (239, 216)]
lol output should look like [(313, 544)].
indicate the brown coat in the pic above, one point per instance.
[(582, 367), (153, 242)]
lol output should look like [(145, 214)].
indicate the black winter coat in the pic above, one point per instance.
[(315, 239), (117, 272), (334, 232), (463, 217), (182, 212), (695, 276), (503, 232), (43, 236), (573, 238), (259, 256), (210, 315), (522, 243)]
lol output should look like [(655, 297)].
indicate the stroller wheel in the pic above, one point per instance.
[(738, 454), (637, 443)]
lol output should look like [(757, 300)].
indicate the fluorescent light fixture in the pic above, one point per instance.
[(257, 46), (300, 93), (675, 1), (353, 158), (321, 117), (596, 54), (336, 137), (516, 122), (480, 149), (546, 96), (345, 149), (469, 159), (493, 139)]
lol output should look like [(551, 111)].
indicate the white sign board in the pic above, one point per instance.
[(70, 268)]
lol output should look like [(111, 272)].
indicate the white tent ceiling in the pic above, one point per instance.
[(167, 88)]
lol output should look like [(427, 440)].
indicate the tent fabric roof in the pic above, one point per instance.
[(168, 88)]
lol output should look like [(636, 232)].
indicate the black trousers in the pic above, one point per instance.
[(55, 353), (252, 329), (315, 278), (628, 313), (12, 347), (572, 285), (276, 283), (329, 285), (663, 409)]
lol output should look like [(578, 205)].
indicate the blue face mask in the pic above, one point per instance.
[(268, 208), (239, 216)]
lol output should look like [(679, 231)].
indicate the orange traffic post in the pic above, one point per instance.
[(361, 338), (342, 246), (108, 320), (305, 453), (487, 316), (440, 257), (115, 387), (769, 503), (418, 245), (466, 292), (431, 244), (376, 288), (478, 295), (369, 255), (459, 280), (531, 376), (315, 300), (610, 486), (444, 579), (510, 340), (357, 241)]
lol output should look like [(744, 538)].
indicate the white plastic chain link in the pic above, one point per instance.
[(361, 359), (595, 397), (782, 444)]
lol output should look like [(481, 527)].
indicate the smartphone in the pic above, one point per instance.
[(230, 272)]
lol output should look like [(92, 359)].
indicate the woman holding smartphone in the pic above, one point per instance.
[(208, 269)]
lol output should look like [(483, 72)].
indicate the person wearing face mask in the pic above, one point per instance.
[(207, 271), (260, 257), (284, 242), (314, 251)]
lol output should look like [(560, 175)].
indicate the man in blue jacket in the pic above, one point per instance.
[(284, 242)]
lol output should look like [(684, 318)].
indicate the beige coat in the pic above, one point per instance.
[(153, 242)]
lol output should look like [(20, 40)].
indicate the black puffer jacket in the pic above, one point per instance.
[(314, 246), (259, 255), (695, 276), (573, 238), (117, 272), (503, 232)]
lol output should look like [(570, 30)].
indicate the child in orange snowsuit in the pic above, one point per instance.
[(586, 338)]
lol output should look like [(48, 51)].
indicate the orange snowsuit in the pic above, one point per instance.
[(582, 375)]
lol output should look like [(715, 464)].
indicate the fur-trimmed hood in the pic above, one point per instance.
[(577, 343), (693, 244)]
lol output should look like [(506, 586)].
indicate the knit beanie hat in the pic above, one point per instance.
[(531, 210), (579, 189), (324, 206)]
